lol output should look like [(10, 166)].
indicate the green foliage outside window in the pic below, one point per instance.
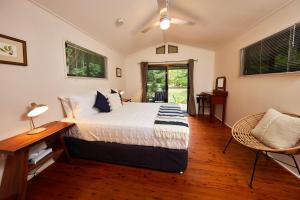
[(177, 84), (84, 63), (156, 81)]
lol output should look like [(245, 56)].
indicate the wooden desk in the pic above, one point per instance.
[(213, 98), (14, 180)]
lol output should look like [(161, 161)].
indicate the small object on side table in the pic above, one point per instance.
[(126, 100), (14, 180)]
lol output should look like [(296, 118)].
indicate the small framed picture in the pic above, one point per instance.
[(118, 72), (12, 51)]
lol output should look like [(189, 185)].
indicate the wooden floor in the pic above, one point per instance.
[(210, 175)]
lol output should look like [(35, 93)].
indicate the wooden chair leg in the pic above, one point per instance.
[(227, 144), (267, 156), (296, 164), (254, 167)]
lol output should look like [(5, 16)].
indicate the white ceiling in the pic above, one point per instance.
[(217, 20)]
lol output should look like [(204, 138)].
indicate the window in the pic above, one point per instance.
[(161, 50), (168, 83), (82, 62), (278, 53), (172, 49)]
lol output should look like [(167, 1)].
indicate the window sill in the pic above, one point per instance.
[(297, 73)]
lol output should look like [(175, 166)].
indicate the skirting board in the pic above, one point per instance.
[(284, 158)]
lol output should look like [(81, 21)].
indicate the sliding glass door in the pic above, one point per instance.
[(157, 84), (178, 85), (168, 83)]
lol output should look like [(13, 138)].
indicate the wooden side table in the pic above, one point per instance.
[(213, 98), (14, 180)]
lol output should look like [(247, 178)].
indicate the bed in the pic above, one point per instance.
[(127, 136)]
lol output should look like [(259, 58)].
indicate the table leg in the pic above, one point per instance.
[(203, 101), (223, 113), (212, 111), (14, 180), (66, 152)]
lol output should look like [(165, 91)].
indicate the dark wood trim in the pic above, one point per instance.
[(24, 63)]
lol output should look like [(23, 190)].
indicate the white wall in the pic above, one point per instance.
[(248, 95), (43, 80), (203, 69)]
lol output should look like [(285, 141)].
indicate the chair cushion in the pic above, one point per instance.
[(277, 130)]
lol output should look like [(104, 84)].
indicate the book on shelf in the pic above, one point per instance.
[(34, 158), (35, 172)]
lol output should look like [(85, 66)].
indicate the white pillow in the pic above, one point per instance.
[(83, 105), (278, 130), (66, 106), (114, 101)]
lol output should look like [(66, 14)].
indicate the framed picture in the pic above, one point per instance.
[(161, 50), (12, 51), (172, 49), (81, 62), (118, 72)]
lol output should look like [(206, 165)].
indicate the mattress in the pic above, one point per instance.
[(132, 124)]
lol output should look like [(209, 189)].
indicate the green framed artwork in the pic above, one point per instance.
[(81, 62)]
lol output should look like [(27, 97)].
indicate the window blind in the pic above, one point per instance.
[(275, 52), (278, 53), (294, 61), (252, 57)]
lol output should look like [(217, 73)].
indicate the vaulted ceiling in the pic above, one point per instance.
[(216, 20)]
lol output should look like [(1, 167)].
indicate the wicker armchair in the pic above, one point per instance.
[(241, 132)]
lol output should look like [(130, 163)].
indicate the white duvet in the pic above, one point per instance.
[(132, 124)]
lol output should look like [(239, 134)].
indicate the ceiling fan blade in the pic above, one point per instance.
[(145, 30), (162, 7), (161, 4), (182, 22)]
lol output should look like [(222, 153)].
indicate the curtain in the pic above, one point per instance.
[(191, 100), (144, 70)]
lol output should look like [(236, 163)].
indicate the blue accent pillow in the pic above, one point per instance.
[(102, 103)]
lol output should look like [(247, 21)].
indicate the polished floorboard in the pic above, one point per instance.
[(210, 175)]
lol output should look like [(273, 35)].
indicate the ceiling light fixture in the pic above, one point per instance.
[(165, 23)]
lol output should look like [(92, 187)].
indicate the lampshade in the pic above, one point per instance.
[(36, 110), (165, 23)]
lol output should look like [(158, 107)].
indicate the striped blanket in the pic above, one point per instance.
[(171, 123)]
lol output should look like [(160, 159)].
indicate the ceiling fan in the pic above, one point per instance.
[(165, 20)]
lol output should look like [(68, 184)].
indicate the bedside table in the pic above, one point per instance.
[(14, 180), (126, 100)]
